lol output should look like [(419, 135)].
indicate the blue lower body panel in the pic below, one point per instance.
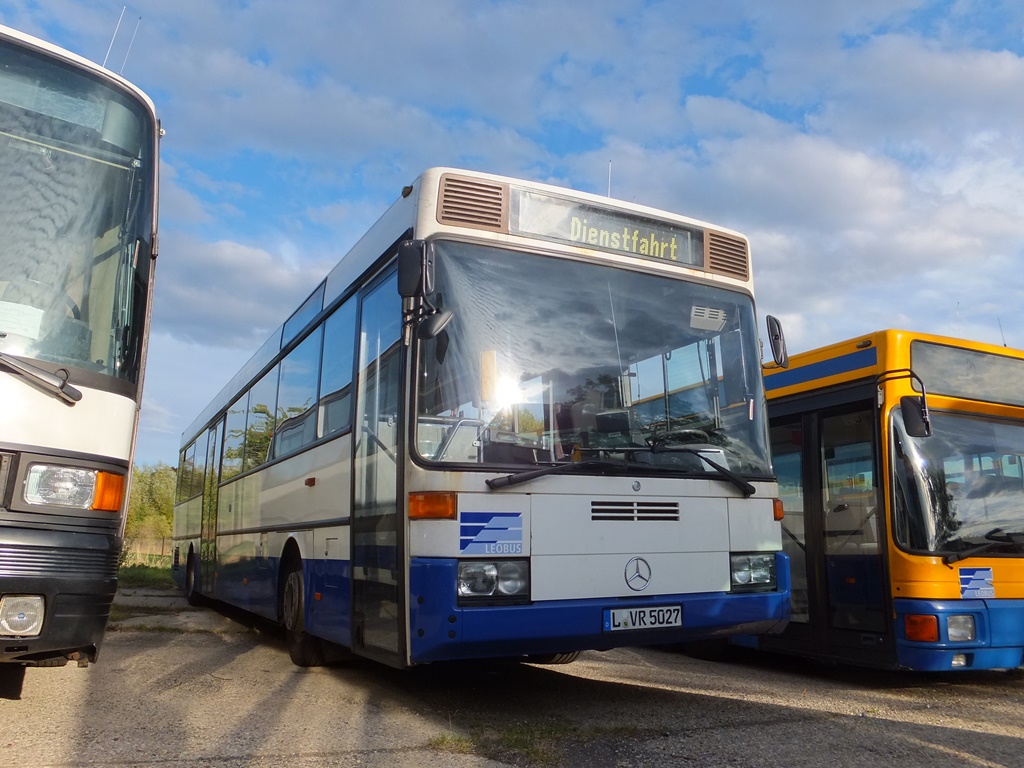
[(998, 643), (442, 630)]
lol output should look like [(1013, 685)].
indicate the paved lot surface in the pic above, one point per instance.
[(177, 686)]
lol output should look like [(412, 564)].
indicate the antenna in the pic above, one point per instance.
[(1003, 335), (113, 36), (609, 178), (130, 44)]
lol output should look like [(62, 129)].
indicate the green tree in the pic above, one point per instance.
[(151, 504)]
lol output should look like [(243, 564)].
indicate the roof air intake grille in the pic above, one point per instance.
[(634, 510), (465, 202), (727, 255)]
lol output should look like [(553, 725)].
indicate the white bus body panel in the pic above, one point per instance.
[(100, 424), (575, 556)]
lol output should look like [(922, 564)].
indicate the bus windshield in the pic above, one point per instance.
[(77, 207), (547, 360), (960, 488)]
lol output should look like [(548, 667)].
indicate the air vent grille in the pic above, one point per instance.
[(63, 563), (727, 255), (634, 510), (466, 202)]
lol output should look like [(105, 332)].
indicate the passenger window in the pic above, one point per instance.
[(185, 467), (296, 401), (336, 370), (259, 428), (234, 439)]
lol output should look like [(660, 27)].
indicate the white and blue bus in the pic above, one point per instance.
[(514, 421), (78, 199)]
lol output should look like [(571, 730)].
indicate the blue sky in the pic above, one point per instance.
[(872, 151)]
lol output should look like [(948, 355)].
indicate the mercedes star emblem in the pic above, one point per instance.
[(638, 574)]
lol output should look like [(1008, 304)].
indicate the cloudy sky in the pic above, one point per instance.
[(871, 150)]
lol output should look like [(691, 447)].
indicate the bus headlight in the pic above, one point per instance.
[(61, 486), (21, 615), (752, 571), (960, 628), (493, 579)]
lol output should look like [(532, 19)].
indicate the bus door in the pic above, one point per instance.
[(826, 462), (378, 549), (208, 534)]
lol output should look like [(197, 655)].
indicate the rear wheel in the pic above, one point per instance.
[(303, 649), (192, 579)]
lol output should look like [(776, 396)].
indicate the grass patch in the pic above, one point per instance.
[(537, 745), (144, 576), (122, 612), (450, 742)]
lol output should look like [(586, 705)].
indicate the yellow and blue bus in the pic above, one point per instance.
[(78, 218), (900, 460), (514, 421)]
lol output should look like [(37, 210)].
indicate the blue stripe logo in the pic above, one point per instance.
[(977, 583), (491, 533)]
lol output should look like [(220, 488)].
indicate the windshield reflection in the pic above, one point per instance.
[(546, 359), (960, 486), (78, 173)]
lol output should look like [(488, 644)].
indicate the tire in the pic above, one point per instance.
[(12, 678), (303, 649), (192, 580), (712, 649), (553, 658)]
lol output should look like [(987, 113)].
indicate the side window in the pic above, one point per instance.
[(336, 370), (186, 463), (788, 460), (199, 465), (296, 400), (259, 427), (234, 439)]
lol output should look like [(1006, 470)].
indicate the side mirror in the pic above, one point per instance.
[(778, 342), (433, 324), (410, 268), (915, 416)]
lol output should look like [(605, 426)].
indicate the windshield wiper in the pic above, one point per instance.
[(995, 538), (44, 380), (530, 474), (747, 489), (658, 446)]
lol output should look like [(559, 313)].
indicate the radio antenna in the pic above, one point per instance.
[(130, 44), (1001, 334), (113, 36)]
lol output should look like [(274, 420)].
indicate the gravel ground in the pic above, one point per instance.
[(179, 686)]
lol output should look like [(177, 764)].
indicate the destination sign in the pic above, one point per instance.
[(570, 221)]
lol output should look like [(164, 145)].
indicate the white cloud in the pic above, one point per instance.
[(870, 150), (226, 294)]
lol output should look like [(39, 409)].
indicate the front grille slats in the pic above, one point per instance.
[(58, 562), (635, 511)]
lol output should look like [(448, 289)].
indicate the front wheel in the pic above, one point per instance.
[(553, 658), (303, 649)]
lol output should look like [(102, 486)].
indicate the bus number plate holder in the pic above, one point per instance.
[(643, 617)]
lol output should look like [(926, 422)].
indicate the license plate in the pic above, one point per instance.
[(646, 617)]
